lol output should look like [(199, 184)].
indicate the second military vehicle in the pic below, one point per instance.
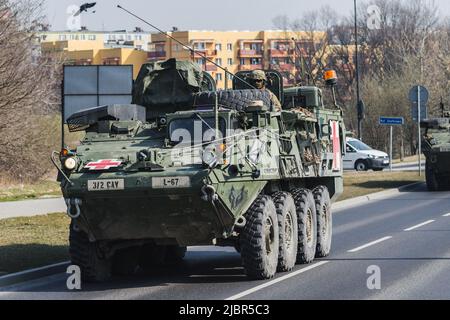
[(436, 147), (193, 167)]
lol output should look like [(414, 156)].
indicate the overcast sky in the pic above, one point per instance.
[(194, 14)]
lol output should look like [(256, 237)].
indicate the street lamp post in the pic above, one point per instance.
[(359, 103)]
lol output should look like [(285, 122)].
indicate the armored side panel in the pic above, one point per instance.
[(436, 147), (309, 97)]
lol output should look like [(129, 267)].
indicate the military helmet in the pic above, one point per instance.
[(258, 75)]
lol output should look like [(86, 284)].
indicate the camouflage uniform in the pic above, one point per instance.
[(261, 76)]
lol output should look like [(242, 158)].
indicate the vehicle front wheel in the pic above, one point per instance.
[(259, 240), (361, 165), (85, 254)]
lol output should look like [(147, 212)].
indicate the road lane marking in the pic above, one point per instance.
[(369, 244), (419, 225), (271, 283), (446, 215)]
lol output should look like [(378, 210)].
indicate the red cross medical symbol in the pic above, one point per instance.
[(103, 164), (336, 146)]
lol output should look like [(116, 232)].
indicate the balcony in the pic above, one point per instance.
[(250, 67), (247, 53), (200, 53), (276, 53), (156, 55), (286, 67), (210, 67)]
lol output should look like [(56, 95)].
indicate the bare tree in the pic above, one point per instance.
[(28, 91)]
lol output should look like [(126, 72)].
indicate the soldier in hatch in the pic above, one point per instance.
[(258, 79)]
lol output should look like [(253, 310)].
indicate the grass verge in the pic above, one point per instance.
[(32, 242), (361, 184), (27, 243), (17, 192)]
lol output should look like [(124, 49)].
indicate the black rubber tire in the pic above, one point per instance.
[(361, 165), (233, 99), (259, 248), (288, 230), (307, 225), (84, 254), (431, 179), (324, 221), (125, 261)]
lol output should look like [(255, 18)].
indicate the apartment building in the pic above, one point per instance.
[(106, 48), (236, 51), (136, 39)]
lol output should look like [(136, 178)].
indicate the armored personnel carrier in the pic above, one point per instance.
[(436, 147), (191, 166)]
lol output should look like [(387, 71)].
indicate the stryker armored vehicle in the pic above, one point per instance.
[(186, 165), (436, 147)]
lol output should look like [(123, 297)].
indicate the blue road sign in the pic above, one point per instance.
[(418, 91), (392, 121), (423, 112)]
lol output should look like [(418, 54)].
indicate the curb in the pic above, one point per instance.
[(33, 274), (353, 202)]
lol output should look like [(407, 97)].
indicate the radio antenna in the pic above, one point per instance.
[(185, 46)]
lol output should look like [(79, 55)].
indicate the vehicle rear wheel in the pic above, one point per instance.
[(260, 240), (361, 165), (324, 221), (288, 230), (85, 254), (307, 225)]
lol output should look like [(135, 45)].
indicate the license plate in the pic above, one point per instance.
[(171, 182), (386, 161), (106, 185)]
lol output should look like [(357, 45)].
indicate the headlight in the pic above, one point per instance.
[(209, 156), (70, 163), (371, 156)]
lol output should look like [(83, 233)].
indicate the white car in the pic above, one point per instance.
[(361, 157)]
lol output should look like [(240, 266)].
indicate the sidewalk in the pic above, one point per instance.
[(30, 208)]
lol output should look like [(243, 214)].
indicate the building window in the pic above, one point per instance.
[(230, 47), (255, 61), (230, 76), (91, 37), (219, 47), (230, 61), (175, 47), (200, 46), (129, 37), (62, 37), (82, 37), (218, 77), (199, 61), (242, 61), (219, 61)]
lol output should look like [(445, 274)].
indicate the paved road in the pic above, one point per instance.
[(414, 264)]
